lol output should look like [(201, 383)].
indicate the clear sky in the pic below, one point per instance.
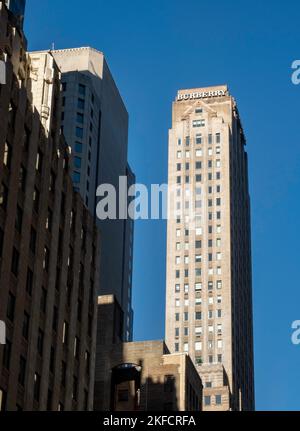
[(155, 48)]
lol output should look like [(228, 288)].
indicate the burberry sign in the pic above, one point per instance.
[(201, 95)]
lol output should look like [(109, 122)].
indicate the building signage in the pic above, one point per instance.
[(201, 95)]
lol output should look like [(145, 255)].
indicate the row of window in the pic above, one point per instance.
[(198, 315), (198, 178), (197, 191), (198, 204), (198, 165), (199, 346), (198, 153), (198, 331), (208, 400), (198, 302), (199, 138)]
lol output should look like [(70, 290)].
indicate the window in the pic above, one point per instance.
[(6, 354), (15, 262), (218, 400), (186, 347), (64, 86), (25, 329), (65, 333), (219, 284), (207, 400), (79, 132), (198, 330), (176, 347), (198, 139), (79, 118), (186, 288), (198, 360), (177, 288), (19, 219), (199, 153), (179, 154), (76, 177), (22, 371), (32, 241), (37, 386), (39, 162), (2, 400), (198, 315), (29, 281), (218, 138), (198, 346), (220, 344), (177, 317), (199, 123), (40, 342), (81, 89), (63, 373), (186, 316), (46, 260), (198, 286), (3, 196), (7, 155), (77, 162), (177, 302), (169, 383), (176, 332), (80, 104), (76, 347)]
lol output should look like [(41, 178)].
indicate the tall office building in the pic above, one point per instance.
[(209, 287), (95, 124), (48, 243), (17, 7)]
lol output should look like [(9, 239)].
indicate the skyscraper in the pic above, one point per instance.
[(209, 287), (49, 268), (95, 124), (17, 7)]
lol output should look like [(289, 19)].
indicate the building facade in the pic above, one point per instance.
[(140, 376), (48, 243), (209, 287), (95, 125), (17, 8)]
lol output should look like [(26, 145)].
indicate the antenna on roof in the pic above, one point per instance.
[(53, 46)]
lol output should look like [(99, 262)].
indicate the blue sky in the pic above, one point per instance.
[(155, 48)]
